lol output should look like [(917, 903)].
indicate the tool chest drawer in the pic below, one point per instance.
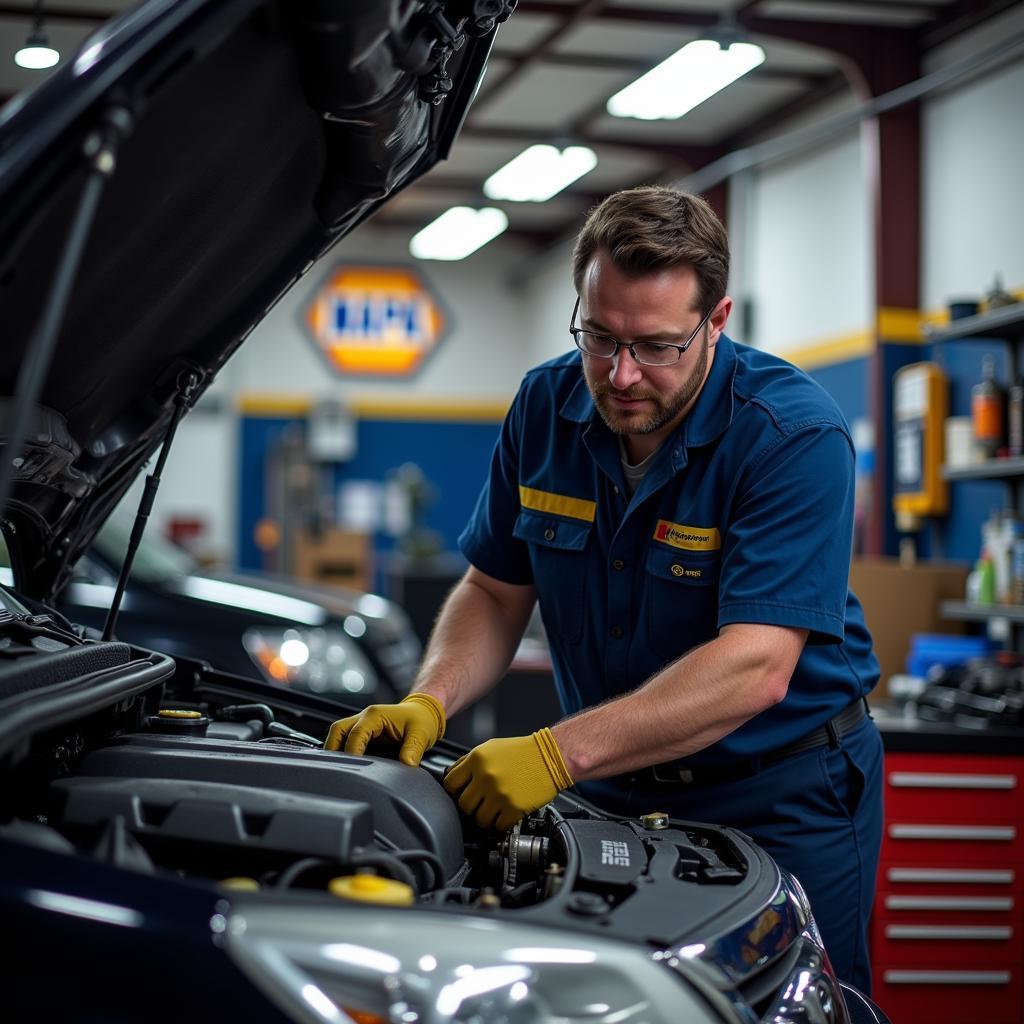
[(923, 787), (924, 993)]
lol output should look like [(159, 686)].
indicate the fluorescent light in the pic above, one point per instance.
[(37, 53), (457, 233), (685, 80), (539, 172), (35, 58)]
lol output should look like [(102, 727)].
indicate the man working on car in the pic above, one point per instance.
[(682, 509)]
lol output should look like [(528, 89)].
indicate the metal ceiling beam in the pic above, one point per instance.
[(689, 156), (570, 18), (452, 183), (609, 62), (653, 15), (55, 12), (961, 17), (830, 85)]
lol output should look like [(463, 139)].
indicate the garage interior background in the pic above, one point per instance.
[(851, 236), (869, 174)]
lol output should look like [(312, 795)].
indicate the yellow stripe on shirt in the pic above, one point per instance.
[(557, 504)]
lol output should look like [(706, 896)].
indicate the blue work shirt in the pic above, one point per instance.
[(745, 515)]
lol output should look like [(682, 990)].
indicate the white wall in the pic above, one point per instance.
[(807, 257), (483, 356), (973, 159)]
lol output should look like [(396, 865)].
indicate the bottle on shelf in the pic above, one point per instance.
[(988, 401), (1015, 420), (998, 534), (981, 581)]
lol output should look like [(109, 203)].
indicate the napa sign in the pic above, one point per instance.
[(376, 320)]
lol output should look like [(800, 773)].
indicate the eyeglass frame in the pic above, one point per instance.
[(576, 331)]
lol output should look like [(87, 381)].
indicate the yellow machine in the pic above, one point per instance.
[(920, 407)]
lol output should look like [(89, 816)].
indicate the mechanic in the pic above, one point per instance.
[(683, 511)]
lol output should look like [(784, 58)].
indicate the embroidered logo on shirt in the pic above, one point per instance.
[(687, 538), (557, 504)]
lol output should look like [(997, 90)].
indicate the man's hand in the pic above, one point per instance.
[(504, 779), (417, 722)]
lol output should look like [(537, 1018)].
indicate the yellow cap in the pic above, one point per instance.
[(177, 713), (240, 883), (372, 889)]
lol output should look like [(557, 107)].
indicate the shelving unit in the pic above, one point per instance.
[(1004, 324), (993, 469)]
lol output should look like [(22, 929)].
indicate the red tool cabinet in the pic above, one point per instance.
[(947, 940)]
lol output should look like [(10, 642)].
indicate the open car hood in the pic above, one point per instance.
[(250, 137)]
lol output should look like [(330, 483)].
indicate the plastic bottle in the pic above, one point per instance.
[(981, 582), (1015, 420), (988, 401), (1017, 571)]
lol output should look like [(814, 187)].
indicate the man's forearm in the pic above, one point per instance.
[(473, 641), (687, 706)]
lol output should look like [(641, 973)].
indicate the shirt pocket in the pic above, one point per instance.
[(559, 560), (682, 599)]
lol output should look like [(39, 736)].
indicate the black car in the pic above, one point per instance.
[(175, 843), (322, 638)]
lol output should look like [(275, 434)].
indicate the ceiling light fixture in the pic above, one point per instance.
[(686, 79), (37, 53), (540, 172), (457, 233)]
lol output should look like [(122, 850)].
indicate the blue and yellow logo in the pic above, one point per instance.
[(377, 320)]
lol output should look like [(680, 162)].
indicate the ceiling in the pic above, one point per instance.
[(556, 62)]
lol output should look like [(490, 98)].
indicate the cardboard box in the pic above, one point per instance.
[(902, 600)]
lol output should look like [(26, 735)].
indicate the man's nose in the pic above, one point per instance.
[(625, 370)]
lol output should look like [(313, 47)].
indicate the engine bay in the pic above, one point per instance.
[(225, 794)]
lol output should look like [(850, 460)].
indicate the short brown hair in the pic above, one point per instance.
[(655, 227)]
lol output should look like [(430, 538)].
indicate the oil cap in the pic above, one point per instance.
[(372, 889), (654, 821), (179, 721)]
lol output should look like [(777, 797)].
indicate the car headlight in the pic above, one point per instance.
[(388, 966), (321, 660)]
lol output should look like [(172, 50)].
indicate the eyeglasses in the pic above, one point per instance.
[(650, 353)]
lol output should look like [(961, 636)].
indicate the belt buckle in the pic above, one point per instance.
[(672, 775)]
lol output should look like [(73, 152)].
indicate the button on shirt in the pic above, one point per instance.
[(745, 515)]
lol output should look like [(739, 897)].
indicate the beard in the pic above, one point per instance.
[(665, 407)]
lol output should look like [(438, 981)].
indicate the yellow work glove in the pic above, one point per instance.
[(504, 779), (417, 722)]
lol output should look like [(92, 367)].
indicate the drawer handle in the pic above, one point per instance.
[(973, 833), (947, 977), (978, 933), (934, 780), (970, 876), (948, 903)]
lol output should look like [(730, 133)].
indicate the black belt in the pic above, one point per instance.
[(675, 773)]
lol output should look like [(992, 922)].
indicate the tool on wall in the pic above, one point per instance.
[(920, 406)]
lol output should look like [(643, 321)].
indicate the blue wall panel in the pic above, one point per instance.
[(847, 383), (453, 456)]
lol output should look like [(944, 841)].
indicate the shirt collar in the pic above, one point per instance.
[(713, 410), (708, 418)]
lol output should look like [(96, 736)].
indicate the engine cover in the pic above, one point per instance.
[(191, 787)]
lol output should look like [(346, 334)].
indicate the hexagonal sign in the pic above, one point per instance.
[(377, 320)]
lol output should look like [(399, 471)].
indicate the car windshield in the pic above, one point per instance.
[(155, 561)]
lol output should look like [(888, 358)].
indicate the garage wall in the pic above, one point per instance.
[(484, 354), (801, 235), (973, 154), (808, 255)]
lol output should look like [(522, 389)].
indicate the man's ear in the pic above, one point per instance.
[(718, 319)]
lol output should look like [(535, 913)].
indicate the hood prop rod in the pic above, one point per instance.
[(188, 381), (100, 153)]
